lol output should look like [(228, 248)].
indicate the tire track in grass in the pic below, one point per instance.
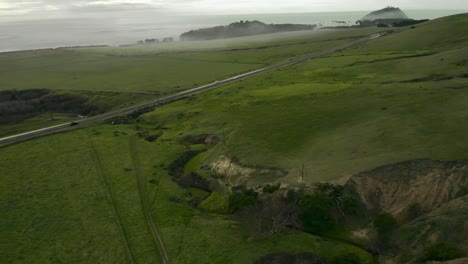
[(145, 201), (108, 190)]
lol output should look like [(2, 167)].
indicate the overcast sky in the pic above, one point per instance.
[(71, 7)]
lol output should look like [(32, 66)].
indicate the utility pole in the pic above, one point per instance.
[(302, 173)]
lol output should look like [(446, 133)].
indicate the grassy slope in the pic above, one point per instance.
[(65, 69), (138, 69), (334, 117), (63, 215), (344, 113), (110, 76)]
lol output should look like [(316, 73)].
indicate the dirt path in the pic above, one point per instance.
[(145, 202), (110, 197)]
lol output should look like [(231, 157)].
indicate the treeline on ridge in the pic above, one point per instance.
[(240, 29)]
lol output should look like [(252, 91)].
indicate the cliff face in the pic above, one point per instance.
[(386, 13), (428, 198), (396, 188)]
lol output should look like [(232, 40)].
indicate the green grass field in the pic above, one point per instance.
[(341, 114), (115, 77), (158, 68), (385, 101), (65, 215)]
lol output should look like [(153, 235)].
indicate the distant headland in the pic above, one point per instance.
[(389, 16), (241, 29)]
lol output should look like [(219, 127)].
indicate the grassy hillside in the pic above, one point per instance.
[(74, 197), (348, 112), (154, 68), (60, 210), (115, 77)]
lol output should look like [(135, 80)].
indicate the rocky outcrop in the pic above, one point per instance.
[(396, 188), (235, 174)]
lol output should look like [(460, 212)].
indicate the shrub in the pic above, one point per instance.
[(241, 198), (271, 188), (441, 252), (286, 258), (194, 180), (385, 223), (350, 205), (414, 211), (349, 258)]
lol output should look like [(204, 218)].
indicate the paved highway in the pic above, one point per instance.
[(68, 126)]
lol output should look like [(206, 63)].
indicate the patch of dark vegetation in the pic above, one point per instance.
[(406, 23), (135, 115), (152, 181), (390, 59), (174, 199), (150, 136), (433, 78), (242, 28), (442, 252), (271, 188), (207, 139), (462, 62), (192, 180), (349, 258), (286, 258), (385, 225), (269, 216), (176, 168), (241, 197), (323, 211), (19, 105), (327, 209), (413, 211), (458, 88), (195, 181)]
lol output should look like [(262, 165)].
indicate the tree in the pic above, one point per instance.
[(241, 198), (268, 217), (316, 216), (385, 224)]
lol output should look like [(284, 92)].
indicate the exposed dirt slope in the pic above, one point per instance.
[(236, 174), (395, 188)]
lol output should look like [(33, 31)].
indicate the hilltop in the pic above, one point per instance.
[(389, 16), (386, 13), (241, 29)]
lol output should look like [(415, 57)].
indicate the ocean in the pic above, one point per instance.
[(128, 27)]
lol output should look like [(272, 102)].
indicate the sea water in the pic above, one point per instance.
[(128, 27)]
